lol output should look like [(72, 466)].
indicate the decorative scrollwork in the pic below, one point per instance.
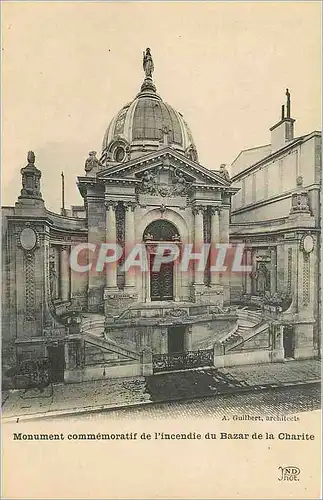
[(111, 204), (198, 209), (177, 184), (176, 313), (306, 279), (29, 265)]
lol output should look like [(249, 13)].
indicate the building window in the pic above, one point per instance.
[(119, 154)]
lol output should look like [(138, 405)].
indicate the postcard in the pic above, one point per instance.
[(161, 235)]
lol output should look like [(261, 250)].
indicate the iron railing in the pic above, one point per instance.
[(37, 372), (182, 360)]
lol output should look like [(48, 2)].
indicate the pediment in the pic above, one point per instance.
[(167, 167)]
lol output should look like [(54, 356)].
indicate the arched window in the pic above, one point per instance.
[(161, 230)]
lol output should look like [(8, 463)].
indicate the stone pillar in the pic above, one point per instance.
[(273, 271), (253, 272), (111, 237), (146, 362), (65, 273), (215, 239), (146, 280), (164, 341), (66, 356), (224, 238), (281, 337), (188, 339), (224, 224), (130, 278), (248, 277), (198, 241)]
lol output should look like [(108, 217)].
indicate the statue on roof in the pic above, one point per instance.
[(224, 172), (92, 162), (148, 63)]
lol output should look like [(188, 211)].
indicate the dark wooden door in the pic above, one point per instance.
[(56, 362), (176, 339), (161, 282)]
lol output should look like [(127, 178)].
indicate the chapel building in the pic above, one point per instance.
[(148, 189)]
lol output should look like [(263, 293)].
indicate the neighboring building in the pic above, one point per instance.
[(149, 188), (276, 213)]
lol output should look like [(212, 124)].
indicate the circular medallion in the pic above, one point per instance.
[(28, 238), (308, 243)]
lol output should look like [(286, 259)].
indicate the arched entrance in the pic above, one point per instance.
[(161, 282)]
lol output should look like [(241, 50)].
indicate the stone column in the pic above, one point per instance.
[(130, 278), (111, 237), (253, 272), (224, 224), (198, 241), (65, 273), (215, 239), (224, 238), (248, 277), (177, 277), (188, 338), (146, 279), (273, 271)]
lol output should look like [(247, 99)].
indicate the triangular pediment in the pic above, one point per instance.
[(167, 159)]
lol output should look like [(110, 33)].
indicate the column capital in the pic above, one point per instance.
[(197, 209), (215, 210), (130, 205), (110, 204)]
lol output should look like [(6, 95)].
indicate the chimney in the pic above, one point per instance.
[(283, 131)]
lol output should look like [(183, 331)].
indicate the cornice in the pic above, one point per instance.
[(273, 199), (156, 156)]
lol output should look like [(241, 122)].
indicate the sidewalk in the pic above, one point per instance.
[(71, 399)]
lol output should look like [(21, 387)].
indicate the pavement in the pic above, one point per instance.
[(97, 396), (270, 405)]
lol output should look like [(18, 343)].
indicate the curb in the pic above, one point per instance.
[(104, 408)]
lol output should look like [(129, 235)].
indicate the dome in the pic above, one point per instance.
[(144, 125)]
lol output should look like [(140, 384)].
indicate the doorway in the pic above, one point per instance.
[(162, 282), (56, 362), (176, 339), (289, 342)]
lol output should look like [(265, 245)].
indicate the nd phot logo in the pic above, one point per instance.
[(290, 473)]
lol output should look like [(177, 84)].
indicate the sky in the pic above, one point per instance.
[(68, 67)]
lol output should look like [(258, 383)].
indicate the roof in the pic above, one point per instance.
[(264, 155)]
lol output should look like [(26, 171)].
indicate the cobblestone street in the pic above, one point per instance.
[(273, 402), (101, 395)]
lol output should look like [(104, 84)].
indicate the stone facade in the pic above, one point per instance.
[(148, 188), (276, 213)]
